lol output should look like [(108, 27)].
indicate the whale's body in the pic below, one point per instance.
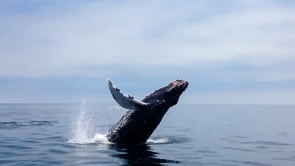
[(143, 117)]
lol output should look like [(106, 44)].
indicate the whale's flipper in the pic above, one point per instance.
[(126, 101)]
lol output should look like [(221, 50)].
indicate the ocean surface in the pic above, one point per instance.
[(74, 134)]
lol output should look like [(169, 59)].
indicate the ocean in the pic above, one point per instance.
[(74, 134)]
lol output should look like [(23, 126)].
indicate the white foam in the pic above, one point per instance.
[(101, 138), (96, 139), (158, 140)]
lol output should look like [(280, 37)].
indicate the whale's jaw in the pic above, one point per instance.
[(170, 93)]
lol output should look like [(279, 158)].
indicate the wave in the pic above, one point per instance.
[(15, 124)]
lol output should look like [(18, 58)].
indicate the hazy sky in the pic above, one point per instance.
[(233, 51)]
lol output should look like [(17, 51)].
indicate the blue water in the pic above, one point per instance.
[(74, 134)]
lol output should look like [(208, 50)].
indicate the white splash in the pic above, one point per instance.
[(83, 130), (158, 140), (101, 138)]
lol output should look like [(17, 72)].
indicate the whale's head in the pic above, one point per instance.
[(169, 94)]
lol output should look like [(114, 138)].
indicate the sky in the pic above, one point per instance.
[(231, 52)]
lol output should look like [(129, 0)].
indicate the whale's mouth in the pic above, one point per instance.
[(172, 91), (178, 84)]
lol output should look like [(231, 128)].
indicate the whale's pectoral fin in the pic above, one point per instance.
[(126, 101)]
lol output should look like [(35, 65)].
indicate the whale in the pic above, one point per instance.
[(143, 116)]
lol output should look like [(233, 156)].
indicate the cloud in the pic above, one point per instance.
[(79, 35), (240, 46)]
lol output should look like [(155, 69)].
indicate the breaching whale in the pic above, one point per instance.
[(143, 117)]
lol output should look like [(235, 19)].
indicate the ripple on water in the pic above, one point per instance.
[(270, 143), (252, 163), (239, 149), (15, 124)]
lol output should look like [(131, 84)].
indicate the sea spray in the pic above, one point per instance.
[(83, 131)]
